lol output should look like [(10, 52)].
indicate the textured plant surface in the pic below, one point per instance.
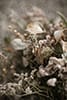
[(33, 61)]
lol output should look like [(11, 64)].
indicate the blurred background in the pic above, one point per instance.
[(21, 6), (49, 6)]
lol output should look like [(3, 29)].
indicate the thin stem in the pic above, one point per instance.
[(33, 93), (63, 17)]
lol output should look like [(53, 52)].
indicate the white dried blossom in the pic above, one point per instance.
[(64, 45), (58, 66), (58, 61), (42, 72), (34, 28), (28, 90), (18, 44), (58, 34), (52, 82), (64, 56), (48, 37), (20, 83)]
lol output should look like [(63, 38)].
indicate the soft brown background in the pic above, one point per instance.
[(49, 6), (21, 6)]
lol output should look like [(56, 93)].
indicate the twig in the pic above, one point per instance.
[(33, 93), (62, 17), (34, 86)]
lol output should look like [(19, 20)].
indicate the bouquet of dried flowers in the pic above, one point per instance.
[(36, 63)]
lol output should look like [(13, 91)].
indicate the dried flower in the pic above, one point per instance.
[(42, 72), (28, 90), (58, 34), (52, 82), (18, 44), (64, 45), (34, 28)]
